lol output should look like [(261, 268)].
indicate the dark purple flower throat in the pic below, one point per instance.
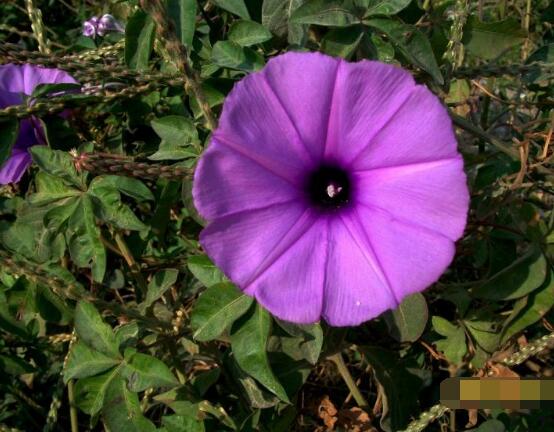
[(329, 187)]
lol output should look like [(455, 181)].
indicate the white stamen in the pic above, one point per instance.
[(333, 190)]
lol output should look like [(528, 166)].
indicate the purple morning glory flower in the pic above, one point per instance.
[(331, 189), (16, 82), (90, 27), (101, 26)]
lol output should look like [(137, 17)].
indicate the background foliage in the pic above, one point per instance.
[(110, 315)]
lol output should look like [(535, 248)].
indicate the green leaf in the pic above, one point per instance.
[(85, 362), (308, 337), (167, 151), (408, 321), (160, 283), (126, 333), (121, 410), (384, 51), (183, 12), (179, 423), (144, 371), (454, 345), (247, 33), (385, 7), (276, 18), (401, 387), (256, 395), (29, 237), (489, 40), (485, 334), (139, 38), (342, 42), (218, 412), (49, 90), (94, 331), (328, 13), (205, 271), (249, 340), (216, 309), (58, 164), (52, 270), (129, 186), (90, 392), (491, 425), (231, 55), (237, 7), (59, 133), (84, 241), (9, 129), (544, 54), (532, 309), (109, 208), (51, 307), (15, 366), (442, 326), (8, 323), (179, 138), (413, 44), (459, 91), (50, 189), (520, 278), (175, 129)]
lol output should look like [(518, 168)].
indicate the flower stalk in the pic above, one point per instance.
[(56, 105), (179, 56), (88, 71), (35, 15), (107, 163), (454, 54), (493, 69), (348, 380)]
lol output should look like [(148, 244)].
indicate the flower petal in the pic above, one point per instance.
[(33, 76), (368, 95), (255, 123), (304, 83), (433, 195), (291, 287), (11, 79), (244, 244), (227, 182), (356, 287), (420, 131), (8, 98), (15, 166), (412, 257), (24, 78), (27, 135)]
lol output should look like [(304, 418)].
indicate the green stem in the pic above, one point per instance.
[(469, 127), (133, 266), (72, 407), (348, 380)]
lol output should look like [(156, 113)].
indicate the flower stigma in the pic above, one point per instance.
[(329, 187)]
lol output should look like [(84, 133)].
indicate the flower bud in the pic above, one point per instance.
[(109, 24)]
